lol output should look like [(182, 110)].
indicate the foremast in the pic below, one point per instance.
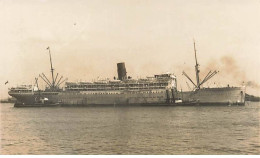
[(51, 68), (53, 85)]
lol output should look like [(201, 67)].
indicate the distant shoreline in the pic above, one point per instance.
[(8, 100), (252, 98)]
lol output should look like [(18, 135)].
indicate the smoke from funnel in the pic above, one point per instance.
[(229, 68), (252, 84)]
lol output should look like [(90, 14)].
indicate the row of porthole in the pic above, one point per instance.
[(107, 94), (137, 85), (118, 93), (109, 89), (159, 97), (140, 87), (21, 91)]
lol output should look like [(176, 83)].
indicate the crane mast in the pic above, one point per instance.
[(52, 84), (51, 68), (197, 68), (206, 78)]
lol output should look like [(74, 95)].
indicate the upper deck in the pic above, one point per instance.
[(162, 81), (21, 89)]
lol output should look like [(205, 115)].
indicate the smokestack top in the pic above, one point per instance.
[(120, 63)]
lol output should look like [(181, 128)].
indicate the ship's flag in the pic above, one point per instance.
[(6, 82), (48, 48)]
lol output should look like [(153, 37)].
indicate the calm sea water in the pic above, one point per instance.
[(131, 130)]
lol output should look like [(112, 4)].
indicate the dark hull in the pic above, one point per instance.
[(36, 105), (129, 105)]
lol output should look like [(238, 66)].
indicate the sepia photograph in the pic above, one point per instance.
[(129, 77)]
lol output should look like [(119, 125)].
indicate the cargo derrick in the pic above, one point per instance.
[(197, 71), (53, 85)]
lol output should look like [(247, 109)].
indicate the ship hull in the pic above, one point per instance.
[(94, 98), (215, 96), (97, 105), (205, 96)]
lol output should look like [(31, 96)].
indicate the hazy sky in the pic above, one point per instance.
[(88, 37)]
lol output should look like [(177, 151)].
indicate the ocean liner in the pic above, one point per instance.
[(123, 90), (157, 90), (211, 96)]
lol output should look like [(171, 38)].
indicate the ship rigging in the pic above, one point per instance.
[(53, 86), (197, 71)]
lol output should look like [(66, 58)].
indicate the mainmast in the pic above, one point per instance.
[(51, 68), (197, 68), (206, 78)]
